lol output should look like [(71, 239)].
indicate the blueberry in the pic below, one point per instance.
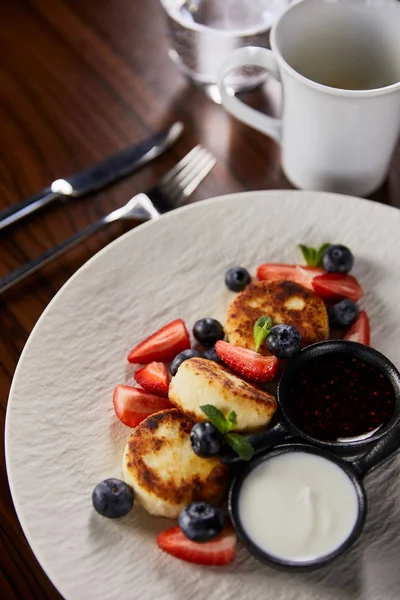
[(112, 498), (337, 259), (237, 278), (201, 522), (208, 331), (206, 440), (284, 341), (181, 357), (211, 354), (343, 313)]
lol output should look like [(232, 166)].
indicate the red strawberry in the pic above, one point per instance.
[(277, 272), (250, 364), (133, 405), (163, 345), (153, 378), (220, 551), (360, 330), (331, 286)]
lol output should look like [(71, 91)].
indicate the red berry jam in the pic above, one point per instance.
[(335, 397)]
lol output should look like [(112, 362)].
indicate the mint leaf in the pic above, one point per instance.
[(320, 254), (309, 255), (313, 256), (237, 442), (261, 331), (231, 421), (216, 417), (240, 445)]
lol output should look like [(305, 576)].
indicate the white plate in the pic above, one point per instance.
[(62, 436)]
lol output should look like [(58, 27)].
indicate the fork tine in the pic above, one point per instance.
[(186, 175), (186, 160), (181, 178), (178, 183), (196, 178)]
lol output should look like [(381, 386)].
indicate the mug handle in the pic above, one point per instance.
[(243, 57)]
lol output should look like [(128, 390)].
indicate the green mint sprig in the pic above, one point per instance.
[(261, 331), (239, 443), (313, 256)]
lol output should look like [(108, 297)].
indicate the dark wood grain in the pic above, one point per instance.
[(80, 80)]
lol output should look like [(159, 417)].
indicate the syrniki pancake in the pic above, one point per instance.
[(163, 470), (200, 381), (283, 301)]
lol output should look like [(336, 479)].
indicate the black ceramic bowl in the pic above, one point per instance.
[(285, 429), (355, 470), (265, 556), (368, 355)]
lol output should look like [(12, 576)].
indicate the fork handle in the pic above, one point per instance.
[(34, 265)]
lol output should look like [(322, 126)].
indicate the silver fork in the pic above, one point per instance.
[(169, 193)]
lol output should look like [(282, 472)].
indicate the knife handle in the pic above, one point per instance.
[(16, 212), (34, 265)]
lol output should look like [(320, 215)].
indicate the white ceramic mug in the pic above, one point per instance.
[(339, 65)]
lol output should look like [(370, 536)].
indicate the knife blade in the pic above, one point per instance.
[(95, 177)]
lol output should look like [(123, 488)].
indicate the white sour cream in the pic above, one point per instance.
[(298, 506)]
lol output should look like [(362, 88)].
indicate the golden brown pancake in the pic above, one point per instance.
[(283, 301), (163, 470), (200, 381)]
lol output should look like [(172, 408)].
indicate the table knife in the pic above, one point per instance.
[(95, 177)]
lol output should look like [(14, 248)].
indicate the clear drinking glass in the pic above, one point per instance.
[(202, 32)]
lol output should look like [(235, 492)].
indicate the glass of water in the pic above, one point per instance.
[(202, 32)]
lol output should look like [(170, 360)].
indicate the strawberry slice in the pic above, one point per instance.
[(329, 286), (332, 286), (163, 345), (220, 551), (278, 272), (247, 363), (153, 378), (360, 330), (133, 405)]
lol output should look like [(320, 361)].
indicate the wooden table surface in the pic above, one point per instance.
[(80, 80)]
